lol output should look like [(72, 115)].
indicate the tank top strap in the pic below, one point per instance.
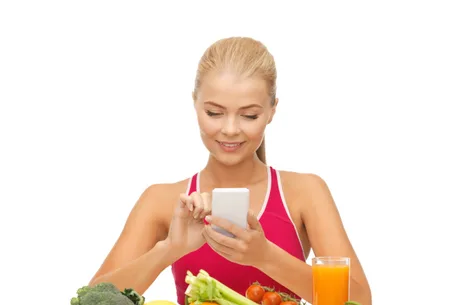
[(276, 203), (192, 184)]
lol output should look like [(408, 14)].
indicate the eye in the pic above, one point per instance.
[(211, 114), (251, 117)]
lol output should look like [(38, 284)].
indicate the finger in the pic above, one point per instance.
[(181, 211), (206, 204), (181, 201), (253, 221), (186, 201), (228, 226), (215, 243), (224, 240), (197, 203)]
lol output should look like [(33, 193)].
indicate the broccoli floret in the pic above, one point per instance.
[(75, 301), (106, 294), (83, 290), (108, 287), (135, 297), (104, 298)]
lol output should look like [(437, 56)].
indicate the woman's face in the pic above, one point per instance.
[(232, 115)]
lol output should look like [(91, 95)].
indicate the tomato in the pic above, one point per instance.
[(288, 303), (255, 293), (271, 298)]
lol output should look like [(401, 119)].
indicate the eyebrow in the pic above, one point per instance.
[(222, 107)]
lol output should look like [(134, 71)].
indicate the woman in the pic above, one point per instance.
[(235, 99)]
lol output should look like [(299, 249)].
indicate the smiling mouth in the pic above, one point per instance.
[(230, 144)]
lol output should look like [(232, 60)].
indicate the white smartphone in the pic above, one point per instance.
[(231, 204)]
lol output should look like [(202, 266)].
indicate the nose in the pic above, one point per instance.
[(230, 126)]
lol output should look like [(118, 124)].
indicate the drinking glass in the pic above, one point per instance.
[(331, 280)]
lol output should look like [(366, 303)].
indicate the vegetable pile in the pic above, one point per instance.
[(106, 294), (204, 290)]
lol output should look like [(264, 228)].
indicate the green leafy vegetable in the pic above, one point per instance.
[(204, 288)]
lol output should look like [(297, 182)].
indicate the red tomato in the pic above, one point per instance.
[(271, 298), (255, 293)]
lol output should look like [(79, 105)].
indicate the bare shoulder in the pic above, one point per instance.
[(304, 186), (159, 196), (165, 190), (154, 209)]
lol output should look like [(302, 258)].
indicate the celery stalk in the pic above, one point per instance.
[(203, 287)]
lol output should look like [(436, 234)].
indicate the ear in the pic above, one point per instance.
[(273, 111)]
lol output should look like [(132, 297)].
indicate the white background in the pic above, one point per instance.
[(96, 106)]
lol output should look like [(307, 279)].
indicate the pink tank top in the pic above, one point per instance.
[(279, 229)]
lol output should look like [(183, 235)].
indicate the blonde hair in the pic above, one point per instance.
[(244, 56)]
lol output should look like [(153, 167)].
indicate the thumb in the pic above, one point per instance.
[(253, 222)]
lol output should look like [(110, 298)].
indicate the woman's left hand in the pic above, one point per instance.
[(248, 247)]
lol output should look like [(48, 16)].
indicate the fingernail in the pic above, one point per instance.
[(208, 218)]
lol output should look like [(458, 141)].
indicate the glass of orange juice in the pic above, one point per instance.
[(331, 280)]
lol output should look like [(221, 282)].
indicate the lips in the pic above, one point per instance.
[(230, 147), (230, 144)]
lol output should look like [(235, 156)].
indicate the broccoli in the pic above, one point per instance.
[(104, 298), (108, 287), (135, 297), (106, 294)]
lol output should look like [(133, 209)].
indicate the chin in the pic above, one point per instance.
[(232, 159), (229, 160)]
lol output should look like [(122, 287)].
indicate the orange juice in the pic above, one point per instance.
[(331, 281)]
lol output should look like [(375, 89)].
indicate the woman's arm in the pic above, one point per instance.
[(141, 272), (327, 237), (140, 253)]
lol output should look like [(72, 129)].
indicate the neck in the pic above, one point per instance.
[(243, 174)]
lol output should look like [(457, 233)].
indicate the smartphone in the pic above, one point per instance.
[(231, 204)]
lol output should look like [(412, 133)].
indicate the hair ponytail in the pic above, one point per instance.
[(261, 152)]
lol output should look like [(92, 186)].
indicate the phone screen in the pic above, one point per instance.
[(231, 204)]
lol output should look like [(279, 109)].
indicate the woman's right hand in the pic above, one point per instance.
[(187, 224)]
